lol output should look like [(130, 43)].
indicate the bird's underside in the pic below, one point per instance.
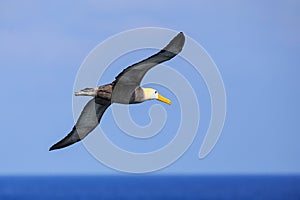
[(125, 89)]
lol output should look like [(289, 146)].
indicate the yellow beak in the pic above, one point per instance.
[(163, 99)]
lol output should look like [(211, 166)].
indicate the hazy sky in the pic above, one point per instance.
[(255, 45)]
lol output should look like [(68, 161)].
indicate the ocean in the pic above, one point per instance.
[(150, 187)]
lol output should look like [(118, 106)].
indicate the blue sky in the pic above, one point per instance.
[(254, 44)]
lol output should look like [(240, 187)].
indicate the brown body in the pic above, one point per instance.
[(104, 93)]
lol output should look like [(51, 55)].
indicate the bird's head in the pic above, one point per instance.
[(150, 94)]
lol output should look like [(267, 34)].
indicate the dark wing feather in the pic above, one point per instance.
[(86, 123), (130, 78)]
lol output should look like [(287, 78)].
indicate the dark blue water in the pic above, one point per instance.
[(150, 187)]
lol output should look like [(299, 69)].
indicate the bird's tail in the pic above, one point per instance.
[(87, 92)]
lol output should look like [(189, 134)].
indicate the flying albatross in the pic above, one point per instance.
[(125, 89)]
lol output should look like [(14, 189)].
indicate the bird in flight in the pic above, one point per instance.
[(125, 89)]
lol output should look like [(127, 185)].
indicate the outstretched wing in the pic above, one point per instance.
[(130, 78), (86, 123)]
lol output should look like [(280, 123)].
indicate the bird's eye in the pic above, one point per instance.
[(155, 92)]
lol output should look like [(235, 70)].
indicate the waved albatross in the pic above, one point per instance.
[(125, 89)]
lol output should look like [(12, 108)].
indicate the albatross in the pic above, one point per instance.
[(125, 89)]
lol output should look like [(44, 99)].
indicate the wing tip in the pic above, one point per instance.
[(181, 35), (70, 139), (52, 148), (176, 44), (55, 147)]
